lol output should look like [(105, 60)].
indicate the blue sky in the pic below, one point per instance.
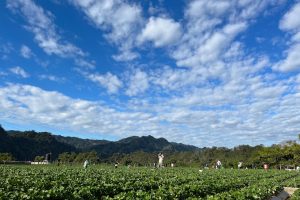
[(201, 72)]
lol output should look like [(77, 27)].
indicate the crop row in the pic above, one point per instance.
[(296, 195), (262, 189), (49, 182)]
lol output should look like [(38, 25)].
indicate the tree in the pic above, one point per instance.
[(39, 159), (2, 131), (4, 157), (67, 157), (91, 156)]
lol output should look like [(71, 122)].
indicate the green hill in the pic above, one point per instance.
[(25, 145)]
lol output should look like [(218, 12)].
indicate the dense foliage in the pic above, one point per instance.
[(81, 144), (29, 144), (104, 182), (78, 158), (6, 157)]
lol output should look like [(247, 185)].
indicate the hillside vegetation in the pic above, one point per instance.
[(141, 151)]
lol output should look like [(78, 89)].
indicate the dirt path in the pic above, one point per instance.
[(285, 194)]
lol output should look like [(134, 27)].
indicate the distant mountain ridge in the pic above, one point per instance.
[(29, 144), (143, 143), (25, 145), (79, 143)]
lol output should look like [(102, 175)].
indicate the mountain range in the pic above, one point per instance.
[(25, 145)]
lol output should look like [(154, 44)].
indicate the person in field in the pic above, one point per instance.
[(218, 164), (85, 164), (160, 159), (240, 165)]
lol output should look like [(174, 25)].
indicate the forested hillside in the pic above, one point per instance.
[(142, 151), (82, 144), (29, 144)]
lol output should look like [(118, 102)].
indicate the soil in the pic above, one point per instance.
[(285, 194)]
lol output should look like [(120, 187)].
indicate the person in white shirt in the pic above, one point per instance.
[(160, 159), (240, 165), (85, 164), (218, 165)]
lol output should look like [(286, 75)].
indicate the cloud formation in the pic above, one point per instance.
[(138, 83), (26, 51), (206, 123), (109, 81), (40, 23), (19, 71), (192, 78), (118, 19), (161, 31), (290, 23)]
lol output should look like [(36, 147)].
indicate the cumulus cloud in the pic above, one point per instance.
[(33, 105), (138, 83), (292, 60), (86, 64), (246, 106), (211, 28), (19, 71), (161, 31), (125, 55), (172, 79), (26, 51), (290, 23), (41, 23), (120, 20), (217, 93), (212, 48), (290, 20), (109, 81)]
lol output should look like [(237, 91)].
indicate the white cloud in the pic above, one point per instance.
[(175, 79), (120, 21), (290, 20), (41, 23), (161, 31), (5, 50), (214, 8), (109, 81), (125, 55), (292, 60), (19, 71), (213, 47), (138, 83), (245, 106), (29, 104), (290, 23), (26, 51), (222, 92), (83, 63), (211, 28), (52, 78)]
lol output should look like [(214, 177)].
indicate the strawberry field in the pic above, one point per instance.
[(102, 182)]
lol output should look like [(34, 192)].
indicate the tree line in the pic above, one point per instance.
[(30, 145), (276, 156)]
